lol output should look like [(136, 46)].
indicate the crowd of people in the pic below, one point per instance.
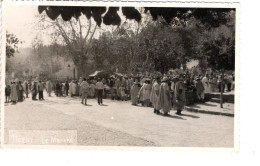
[(163, 93)]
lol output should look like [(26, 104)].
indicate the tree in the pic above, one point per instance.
[(77, 34), (11, 44), (219, 50), (211, 17)]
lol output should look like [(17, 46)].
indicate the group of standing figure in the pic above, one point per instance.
[(15, 92), (158, 94)]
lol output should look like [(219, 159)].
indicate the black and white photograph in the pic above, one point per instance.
[(128, 76)]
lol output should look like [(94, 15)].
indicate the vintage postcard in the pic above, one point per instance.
[(113, 75)]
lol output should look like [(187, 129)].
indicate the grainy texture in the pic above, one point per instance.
[(120, 124)]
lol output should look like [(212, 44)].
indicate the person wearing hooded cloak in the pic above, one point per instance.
[(164, 97), (49, 87), (154, 98), (141, 94), (147, 93), (14, 93), (134, 93)]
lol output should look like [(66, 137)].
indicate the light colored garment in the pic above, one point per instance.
[(142, 81), (141, 93), (92, 90), (164, 98), (205, 82), (72, 88), (154, 97), (84, 86), (14, 95), (48, 86), (99, 85), (134, 93), (40, 86), (147, 92), (122, 91), (200, 90)]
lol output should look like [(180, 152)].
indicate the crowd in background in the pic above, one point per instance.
[(162, 92)]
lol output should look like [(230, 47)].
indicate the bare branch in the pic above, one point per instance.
[(80, 30), (90, 39), (89, 27)]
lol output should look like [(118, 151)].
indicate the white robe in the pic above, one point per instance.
[(72, 88), (205, 82)]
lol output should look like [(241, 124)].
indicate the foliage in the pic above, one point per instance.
[(210, 17), (11, 44)]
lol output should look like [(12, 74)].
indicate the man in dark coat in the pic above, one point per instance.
[(67, 87), (34, 91), (20, 91), (41, 87)]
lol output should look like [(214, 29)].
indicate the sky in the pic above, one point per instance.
[(21, 22)]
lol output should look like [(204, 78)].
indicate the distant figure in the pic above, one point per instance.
[(100, 89), (49, 87), (72, 88), (62, 91), (205, 81), (26, 88), (134, 93), (57, 88), (84, 86), (79, 87), (40, 88), (92, 89), (7, 93), (14, 93), (155, 96), (20, 91), (147, 93), (199, 89), (164, 97), (141, 93), (122, 92), (180, 95), (67, 87), (34, 91)]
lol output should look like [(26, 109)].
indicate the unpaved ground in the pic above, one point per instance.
[(119, 123)]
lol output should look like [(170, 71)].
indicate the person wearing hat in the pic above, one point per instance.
[(164, 97), (180, 95), (155, 96), (134, 92), (199, 89)]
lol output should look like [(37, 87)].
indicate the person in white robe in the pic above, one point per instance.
[(155, 95), (72, 88), (205, 82)]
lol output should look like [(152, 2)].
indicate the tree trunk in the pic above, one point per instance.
[(221, 89)]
